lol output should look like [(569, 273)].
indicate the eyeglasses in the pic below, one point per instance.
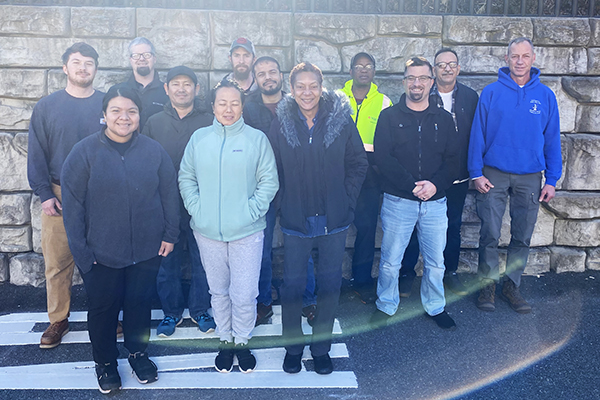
[(359, 68), (443, 65), (422, 79), (137, 56)]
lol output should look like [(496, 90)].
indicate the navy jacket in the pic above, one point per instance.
[(406, 152), (256, 114), (465, 104), (118, 209), (339, 171), (153, 97)]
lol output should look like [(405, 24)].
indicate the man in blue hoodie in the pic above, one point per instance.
[(515, 136)]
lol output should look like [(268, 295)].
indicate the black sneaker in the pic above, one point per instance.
[(108, 378), (224, 360), (453, 283), (323, 365), (444, 321), (379, 319), (292, 364), (246, 360), (144, 368)]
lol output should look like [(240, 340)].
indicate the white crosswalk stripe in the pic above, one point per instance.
[(190, 371)]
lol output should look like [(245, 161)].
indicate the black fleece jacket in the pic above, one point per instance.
[(118, 209), (407, 152), (341, 165)]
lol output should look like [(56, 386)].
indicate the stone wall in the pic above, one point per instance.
[(32, 39)]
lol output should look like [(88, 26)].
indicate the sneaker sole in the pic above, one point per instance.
[(224, 371), (109, 391), (146, 381), (211, 330), (55, 344), (522, 311)]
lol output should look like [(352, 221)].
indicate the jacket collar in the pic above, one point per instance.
[(155, 82), (348, 90), (234, 129), (431, 109)]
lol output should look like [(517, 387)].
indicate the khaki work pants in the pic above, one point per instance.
[(59, 264)]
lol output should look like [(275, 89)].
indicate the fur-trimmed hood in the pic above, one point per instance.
[(337, 111)]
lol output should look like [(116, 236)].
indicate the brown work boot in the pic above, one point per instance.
[(485, 301), (263, 313), (510, 293), (53, 334)]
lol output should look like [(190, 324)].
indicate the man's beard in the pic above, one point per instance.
[(241, 75), (143, 71), (416, 96), (270, 92), (81, 82)]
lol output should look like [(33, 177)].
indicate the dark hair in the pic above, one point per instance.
[(305, 67), (418, 61), (121, 90), (445, 50), (225, 83), (84, 49), (265, 59)]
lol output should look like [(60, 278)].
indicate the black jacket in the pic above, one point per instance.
[(153, 97), (406, 152), (465, 104), (173, 132), (256, 114), (340, 168), (118, 209)]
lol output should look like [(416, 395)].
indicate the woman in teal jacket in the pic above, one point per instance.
[(227, 180)]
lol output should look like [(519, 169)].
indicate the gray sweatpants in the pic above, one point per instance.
[(232, 271)]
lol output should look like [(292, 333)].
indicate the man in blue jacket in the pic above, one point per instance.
[(515, 136)]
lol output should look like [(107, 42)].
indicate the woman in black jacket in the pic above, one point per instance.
[(121, 214), (321, 164)]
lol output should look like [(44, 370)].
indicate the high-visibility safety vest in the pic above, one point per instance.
[(367, 113)]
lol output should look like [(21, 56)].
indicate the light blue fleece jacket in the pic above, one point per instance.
[(227, 179), (516, 129)]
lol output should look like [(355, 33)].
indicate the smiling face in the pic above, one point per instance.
[(181, 91), (241, 61), (80, 70), (417, 90), (307, 90), (363, 72), (122, 118), (142, 66), (228, 105), (446, 76), (268, 78), (520, 58)]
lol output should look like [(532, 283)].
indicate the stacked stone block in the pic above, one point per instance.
[(32, 39)]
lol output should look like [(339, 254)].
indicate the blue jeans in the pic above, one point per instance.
[(168, 281), (266, 268), (399, 217)]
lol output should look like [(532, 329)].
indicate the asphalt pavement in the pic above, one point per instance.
[(552, 353)]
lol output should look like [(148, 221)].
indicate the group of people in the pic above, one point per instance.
[(135, 180)]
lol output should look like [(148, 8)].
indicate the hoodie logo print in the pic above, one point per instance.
[(535, 106)]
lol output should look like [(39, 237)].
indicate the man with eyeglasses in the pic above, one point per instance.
[(241, 57), (515, 137), (367, 103), (460, 101), (417, 154), (144, 79)]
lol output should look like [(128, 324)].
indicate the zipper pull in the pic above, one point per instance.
[(310, 140)]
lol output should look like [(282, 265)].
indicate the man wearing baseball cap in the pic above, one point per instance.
[(182, 115), (241, 57)]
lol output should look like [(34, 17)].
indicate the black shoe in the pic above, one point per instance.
[(144, 368), (452, 282), (323, 365), (292, 364), (405, 284), (366, 293), (310, 312), (444, 321), (108, 377), (379, 319), (246, 360), (263, 313), (224, 360)]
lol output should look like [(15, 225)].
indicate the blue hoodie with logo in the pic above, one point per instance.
[(516, 129)]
